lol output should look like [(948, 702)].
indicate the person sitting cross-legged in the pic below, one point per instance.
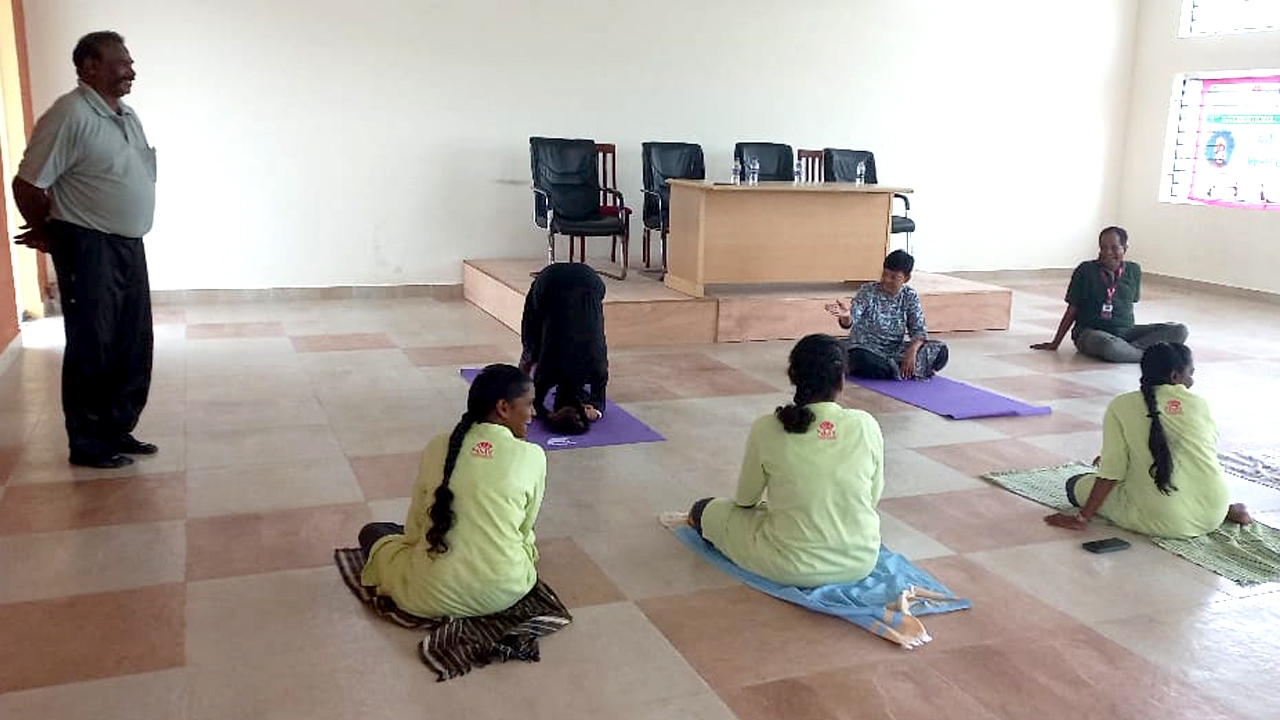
[(887, 336)]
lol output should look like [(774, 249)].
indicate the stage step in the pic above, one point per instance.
[(642, 311)]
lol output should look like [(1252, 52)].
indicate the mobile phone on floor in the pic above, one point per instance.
[(1105, 546)]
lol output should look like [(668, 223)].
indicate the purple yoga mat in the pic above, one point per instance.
[(617, 427), (951, 399)]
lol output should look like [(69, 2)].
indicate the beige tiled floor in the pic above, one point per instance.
[(198, 584)]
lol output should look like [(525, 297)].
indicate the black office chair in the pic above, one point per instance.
[(842, 166), (663, 161), (567, 196), (776, 160)]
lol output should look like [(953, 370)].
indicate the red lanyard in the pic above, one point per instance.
[(1111, 291)]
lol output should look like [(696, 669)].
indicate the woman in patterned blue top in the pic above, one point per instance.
[(887, 336)]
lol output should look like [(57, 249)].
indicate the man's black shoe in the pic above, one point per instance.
[(102, 462), (130, 445)]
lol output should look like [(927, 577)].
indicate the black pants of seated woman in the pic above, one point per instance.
[(695, 514), (930, 359), (1071, 490), (869, 365), (373, 532)]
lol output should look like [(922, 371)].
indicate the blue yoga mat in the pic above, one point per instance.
[(862, 603)]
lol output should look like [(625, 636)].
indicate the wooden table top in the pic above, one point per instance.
[(789, 186)]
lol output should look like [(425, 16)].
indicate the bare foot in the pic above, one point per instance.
[(1238, 513)]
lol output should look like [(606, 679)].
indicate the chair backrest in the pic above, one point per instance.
[(776, 161), (663, 161), (842, 165), (607, 170), (811, 160), (567, 171)]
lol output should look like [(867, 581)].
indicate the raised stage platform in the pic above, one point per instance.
[(642, 311)]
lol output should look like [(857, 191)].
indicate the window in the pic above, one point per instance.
[(1224, 142), (1226, 17)]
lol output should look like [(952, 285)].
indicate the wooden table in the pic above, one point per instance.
[(776, 232)]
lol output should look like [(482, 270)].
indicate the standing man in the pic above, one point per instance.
[(87, 189), (562, 332)]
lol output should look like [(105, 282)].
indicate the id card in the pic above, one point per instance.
[(1107, 309)]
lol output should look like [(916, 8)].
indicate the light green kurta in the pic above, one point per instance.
[(1199, 505), (497, 484), (819, 524)]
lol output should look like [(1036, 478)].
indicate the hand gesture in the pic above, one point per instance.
[(1050, 346), (841, 313), (592, 413), (35, 237)]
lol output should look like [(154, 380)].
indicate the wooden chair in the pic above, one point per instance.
[(812, 162)]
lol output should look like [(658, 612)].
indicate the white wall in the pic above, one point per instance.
[(1228, 246), (326, 142)]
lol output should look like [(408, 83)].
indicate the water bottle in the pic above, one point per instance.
[(799, 173), (861, 173), (753, 171), (737, 171)]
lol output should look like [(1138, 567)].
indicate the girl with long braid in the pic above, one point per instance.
[(1158, 473), (467, 548), (822, 467)]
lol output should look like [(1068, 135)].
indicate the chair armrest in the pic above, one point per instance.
[(657, 196), (906, 202), (662, 210), (622, 204), (546, 198)]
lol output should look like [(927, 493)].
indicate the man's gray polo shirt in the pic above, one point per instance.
[(96, 164)]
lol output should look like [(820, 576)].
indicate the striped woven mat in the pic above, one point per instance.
[(453, 647)]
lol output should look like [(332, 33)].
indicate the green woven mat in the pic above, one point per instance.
[(1248, 554), (1256, 464)]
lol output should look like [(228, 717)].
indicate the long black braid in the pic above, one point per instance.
[(1159, 363), (494, 383), (817, 368)]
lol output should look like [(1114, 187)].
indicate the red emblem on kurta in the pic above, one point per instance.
[(826, 430), (482, 450)]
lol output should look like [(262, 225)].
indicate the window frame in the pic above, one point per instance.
[(1186, 23), (1178, 105)]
